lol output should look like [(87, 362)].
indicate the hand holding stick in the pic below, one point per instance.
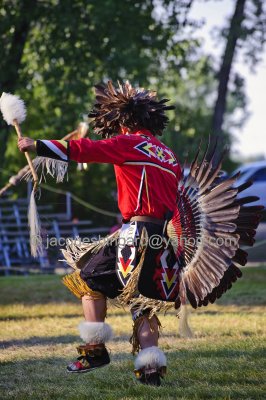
[(14, 113), (34, 174), (24, 172)]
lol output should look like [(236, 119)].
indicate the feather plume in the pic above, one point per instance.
[(14, 113), (213, 223), (184, 328), (35, 228), (12, 108)]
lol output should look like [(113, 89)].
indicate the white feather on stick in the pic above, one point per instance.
[(14, 112), (12, 108)]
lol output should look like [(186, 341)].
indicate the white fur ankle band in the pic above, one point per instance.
[(95, 332), (150, 357)]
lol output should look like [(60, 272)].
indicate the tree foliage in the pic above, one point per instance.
[(54, 51), (246, 31)]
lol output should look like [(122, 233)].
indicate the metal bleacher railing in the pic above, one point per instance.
[(14, 235)]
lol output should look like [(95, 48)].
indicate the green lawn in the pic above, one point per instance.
[(226, 359)]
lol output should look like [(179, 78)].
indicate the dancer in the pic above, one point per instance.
[(180, 238)]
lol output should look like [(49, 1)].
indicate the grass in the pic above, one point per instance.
[(38, 336)]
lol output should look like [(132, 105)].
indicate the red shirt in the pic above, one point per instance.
[(147, 172)]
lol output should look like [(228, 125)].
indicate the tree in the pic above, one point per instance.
[(67, 47), (14, 30), (247, 31), (54, 51), (70, 45)]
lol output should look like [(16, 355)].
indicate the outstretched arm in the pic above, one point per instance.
[(111, 151)]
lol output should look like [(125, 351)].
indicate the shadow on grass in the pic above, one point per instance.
[(224, 352), (240, 308), (39, 341), (52, 340), (34, 317)]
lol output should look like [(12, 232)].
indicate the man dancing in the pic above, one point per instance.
[(154, 202), (147, 174)]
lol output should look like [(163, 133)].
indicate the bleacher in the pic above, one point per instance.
[(14, 236)]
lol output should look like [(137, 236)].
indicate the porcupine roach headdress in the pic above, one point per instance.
[(129, 107)]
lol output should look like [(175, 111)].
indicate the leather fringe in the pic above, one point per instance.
[(134, 340), (48, 166), (78, 287), (130, 296)]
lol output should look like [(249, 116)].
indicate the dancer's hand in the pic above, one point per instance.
[(26, 144)]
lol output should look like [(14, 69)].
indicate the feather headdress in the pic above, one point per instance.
[(129, 107)]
